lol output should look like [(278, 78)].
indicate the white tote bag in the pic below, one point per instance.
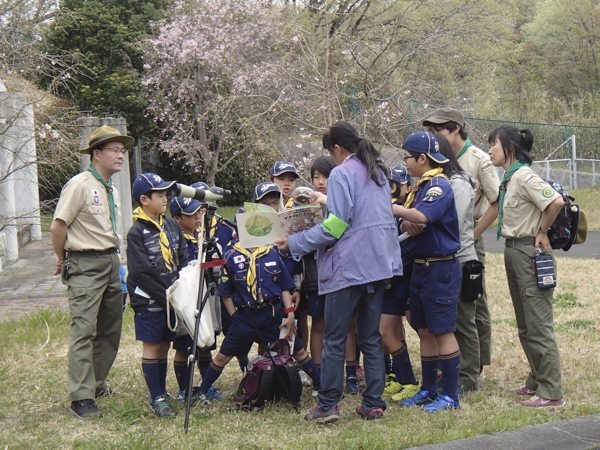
[(183, 296)]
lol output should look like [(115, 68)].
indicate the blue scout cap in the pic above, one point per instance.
[(424, 142), (263, 189), (281, 167), (187, 206), (399, 174), (200, 185), (148, 182)]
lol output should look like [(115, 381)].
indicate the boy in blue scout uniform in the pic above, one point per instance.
[(284, 175), (400, 378), (436, 276), (264, 284), (156, 251), (189, 214)]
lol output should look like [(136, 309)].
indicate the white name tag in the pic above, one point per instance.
[(271, 263)]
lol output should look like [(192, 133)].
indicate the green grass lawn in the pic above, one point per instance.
[(34, 404)]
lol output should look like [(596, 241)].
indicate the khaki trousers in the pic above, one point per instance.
[(482, 314), (468, 342)]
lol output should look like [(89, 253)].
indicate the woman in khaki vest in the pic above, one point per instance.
[(528, 206)]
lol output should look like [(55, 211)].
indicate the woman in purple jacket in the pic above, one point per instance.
[(357, 252)]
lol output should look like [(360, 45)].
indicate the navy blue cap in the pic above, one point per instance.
[(424, 142), (187, 206), (281, 167), (399, 174), (263, 189), (148, 182), (200, 185)]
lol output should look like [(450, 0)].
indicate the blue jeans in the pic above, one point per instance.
[(340, 306)]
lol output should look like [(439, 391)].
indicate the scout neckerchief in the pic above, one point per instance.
[(516, 166), (165, 244), (289, 204), (427, 176), (464, 149), (252, 257), (194, 240), (111, 198)]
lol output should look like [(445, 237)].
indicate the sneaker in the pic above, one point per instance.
[(171, 401), (317, 415), (441, 403), (391, 385), (374, 414), (85, 409), (359, 371), (213, 394), (406, 391), (181, 396), (304, 378), (353, 385), (539, 402), (522, 391), (315, 391), (421, 398), (105, 393), (200, 397), (161, 408)]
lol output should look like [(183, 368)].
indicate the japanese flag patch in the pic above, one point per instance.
[(238, 259)]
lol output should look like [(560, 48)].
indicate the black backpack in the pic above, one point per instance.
[(563, 232), (261, 384)]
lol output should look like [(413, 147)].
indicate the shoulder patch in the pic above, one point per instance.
[(548, 192), (531, 178), (487, 165), (436, 190)]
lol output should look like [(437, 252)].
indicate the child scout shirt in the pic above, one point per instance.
[(527, 196), (365, 248), (478, 163), (271, 277), (83, 206), (435, 199)]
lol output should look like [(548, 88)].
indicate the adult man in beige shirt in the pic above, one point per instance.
[(476, 338), (86, 236)]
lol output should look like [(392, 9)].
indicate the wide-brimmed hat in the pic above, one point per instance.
[(106, 134), (445, 115), (424, 142)]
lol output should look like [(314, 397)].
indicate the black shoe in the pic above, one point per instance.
[(85, 409), (105, 393)]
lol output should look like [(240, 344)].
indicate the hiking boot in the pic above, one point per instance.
[(374, 414), (391, 385), (524, 390), (538, 402), (85, 409), (161, 408), (406, 391), (353, 385), (421, 398), (441, 403), (317, 415)]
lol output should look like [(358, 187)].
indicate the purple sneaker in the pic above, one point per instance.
[(317, 415), (374, 414)]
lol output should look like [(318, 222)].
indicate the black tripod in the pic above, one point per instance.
[(209, 247)]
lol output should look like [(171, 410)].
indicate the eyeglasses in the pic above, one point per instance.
[(115, 150), (408, 157)]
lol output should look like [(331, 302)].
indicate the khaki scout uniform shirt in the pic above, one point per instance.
[(83, 205), (527, 196), (478, 163)]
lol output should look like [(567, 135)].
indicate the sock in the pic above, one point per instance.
[(318, 367), (387, 359), (243, 362), (311, 369), (212, 373), (402, 366), (162, 374), (451, 370), (181, 373), (429, 365), (204, 362), (152, 376), (350, 369)]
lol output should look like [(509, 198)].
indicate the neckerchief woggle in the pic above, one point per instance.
[(251, 279), (165, 244), (111, 198), (516, 166), (427, 176)]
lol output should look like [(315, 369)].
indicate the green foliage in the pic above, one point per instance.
[(104, 34)]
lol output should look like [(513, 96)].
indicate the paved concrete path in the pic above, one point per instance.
[(579, 433)]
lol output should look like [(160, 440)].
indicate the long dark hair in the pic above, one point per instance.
[(452, 166), (323, 164), (346, 136), (517, 143)]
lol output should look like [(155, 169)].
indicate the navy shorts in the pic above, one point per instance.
[(225, 319), (152, 327), (303, 306), (184, 344), (315, 304), (395, 299), (434, 295), (242, 334)]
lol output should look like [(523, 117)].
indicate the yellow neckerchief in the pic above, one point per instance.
[(252, 257), (289, 204), (192, 239), (394, 200), (427, 176), (165, 245)]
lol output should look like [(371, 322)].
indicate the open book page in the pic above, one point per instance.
[(300, 218)]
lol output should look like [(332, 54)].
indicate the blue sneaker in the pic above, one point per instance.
[(420, 398), (441, 403), (213, 394), (353, 385)]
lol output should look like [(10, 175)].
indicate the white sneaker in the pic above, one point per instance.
[(304, 378)]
